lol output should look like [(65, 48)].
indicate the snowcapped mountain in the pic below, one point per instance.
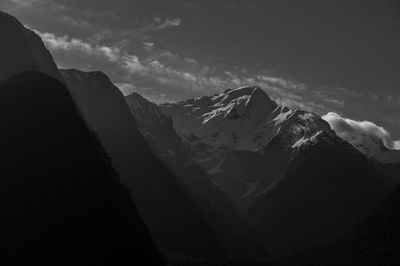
[(230, 119), (168, 146), (295, 180), (241, 119), (243, 138)]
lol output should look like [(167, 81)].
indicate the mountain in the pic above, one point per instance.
[(168, 146), (328, 188), (386, 161), (163, 200), (218, 210), (374, 148), (374, 241), (297, 182), (243, 138), (230, 120), (21, 50), (61, 201)]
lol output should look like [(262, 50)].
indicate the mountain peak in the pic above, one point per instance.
[(22, 50), (245, 91), (139, 100), (142, 108)]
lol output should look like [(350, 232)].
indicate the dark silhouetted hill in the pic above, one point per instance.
[(22, 50), (61, 201)]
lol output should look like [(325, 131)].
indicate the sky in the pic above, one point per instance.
[(321, 56)]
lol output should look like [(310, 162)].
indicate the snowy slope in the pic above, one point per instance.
[(240, 119)]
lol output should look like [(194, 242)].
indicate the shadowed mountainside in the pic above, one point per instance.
[(61, 200), (327, 189), (167, 207), (22, 50)]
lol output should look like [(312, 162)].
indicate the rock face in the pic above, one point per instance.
[(22, 50), (298, 183), (61, 200), (163, 200)]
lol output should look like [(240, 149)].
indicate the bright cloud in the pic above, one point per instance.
[(66, 43), (360, 132)]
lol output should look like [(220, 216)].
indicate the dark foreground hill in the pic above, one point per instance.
[(61, 202), (22, 50)]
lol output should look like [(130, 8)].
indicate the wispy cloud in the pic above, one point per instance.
[(53, 42), (175, 22), (162, 75), (25, 3)]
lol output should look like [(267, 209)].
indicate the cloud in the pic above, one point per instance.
[(360, 132), (132, 64), (53, 42), (175, 22), (148, 46), (25, 3), (177, 78)]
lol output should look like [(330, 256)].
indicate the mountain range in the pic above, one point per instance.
[(94, 176)]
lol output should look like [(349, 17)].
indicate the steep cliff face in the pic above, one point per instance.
[(163, 200), (22, 50), (61, 200)]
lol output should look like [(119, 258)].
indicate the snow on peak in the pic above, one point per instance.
[(230, 118), (241, 119)]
